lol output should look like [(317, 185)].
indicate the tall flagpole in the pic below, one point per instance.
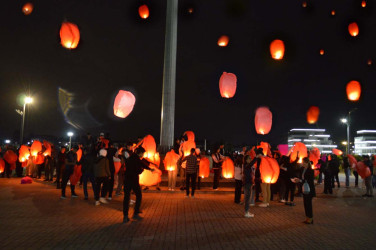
[(169, 77)]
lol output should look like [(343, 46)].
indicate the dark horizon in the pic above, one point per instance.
[(119, 50)]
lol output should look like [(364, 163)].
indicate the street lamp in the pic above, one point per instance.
[(345, 144), (70, 134), (27, 100), (347, 122)]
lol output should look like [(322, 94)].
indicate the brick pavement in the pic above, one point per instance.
[(34, 217)]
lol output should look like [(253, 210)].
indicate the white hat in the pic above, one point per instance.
[(101, 134), (103, 152)]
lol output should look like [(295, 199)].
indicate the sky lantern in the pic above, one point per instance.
[(171, 160), (269, 170), (353, 90), (304, 4), (10, 157), (79, 154), (363, 170), (69, 35), (124, 103), (2, 165), (313, 114), (298, 147), (263, 120), (336, 151), (333, 12), (148, 178), (39, 159), (277, 49), (352, 161), (322, 52), (265, 148), (24, 153), (223, 41), (228, 168), (187, 146), (48, 149), (143, 11), (314, 156), (190, 135), (27, 8), (148, 143), (204, 169), (227, 85), (36, 147), (369, 62), (364, 3), (353, 29)]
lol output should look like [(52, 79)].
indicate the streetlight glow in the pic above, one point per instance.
[(344, 120), (344, 143), (28, 100), (70, 134)]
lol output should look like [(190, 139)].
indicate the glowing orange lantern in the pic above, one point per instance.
[(337, 151), (298, 147), (333, 12), (124, 103), (314, 156), (269, 170), (39, 159), (265, 148), (353, 29), (36, 147), (10, 157), (148, 178), (228, 168), (263, 120), (363, 170), (223, 41), (69, 35), (369, 62), (2, 165), (322, 52), (170, 160), (117, 165), (143, 11), (364, 3), (227, 85), (77, 173), (277, 49), (187, 146), (313, 114), (304, 4), (79, 154), (204, 169), (27, 8), (47, 151), (190, 135), (353, 90), (24, 153), (148, 143)]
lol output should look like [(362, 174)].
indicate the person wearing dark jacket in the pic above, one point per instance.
[(134, 167), (70, 162), (101, 173), (307, 175), (327, 178), (291, 186), (334, 167), (368, 180), (191, 172), (283, 178), (88, 159), (60, 166), (346, 168), (111, 151)]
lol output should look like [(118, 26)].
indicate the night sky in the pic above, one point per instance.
[(119, 50)]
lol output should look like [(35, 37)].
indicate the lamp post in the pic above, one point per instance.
[(27, 100), (347, 122), (70, 134), (345, 144)]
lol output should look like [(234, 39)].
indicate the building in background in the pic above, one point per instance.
[(312, 138), (365, 142)]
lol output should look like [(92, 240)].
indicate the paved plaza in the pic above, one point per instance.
[(32, 216)]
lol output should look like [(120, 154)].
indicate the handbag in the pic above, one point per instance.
[(306, 188)]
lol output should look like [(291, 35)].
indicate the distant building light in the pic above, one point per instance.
[(310, 140), (366, 131), (307, 129), (327, 136), (365, 142), (294, 140), (371, 147), (321, 146)]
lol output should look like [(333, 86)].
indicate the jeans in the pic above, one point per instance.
[(335, 179), (257, 189), (291, 190), (374, 181), (247, 196), (172, 179), (191, 178), (307, 200), (217, 173), (88, 177), (368, 182), (320, 178), (67, 173), (110, 186), (265, 187), (129, 185), (59, 173), (282, 188), (98, 183), (347, 173), (356, 175), (238, 190)]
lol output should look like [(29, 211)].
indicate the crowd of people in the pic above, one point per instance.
[(99, 156)]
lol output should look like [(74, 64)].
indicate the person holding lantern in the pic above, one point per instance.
[(291, 186), (309, 191), (60, 166), (217, 163), (70, 162), (134, 167), (191, 172)]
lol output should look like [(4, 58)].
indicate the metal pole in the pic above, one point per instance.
[(70, 142), (22, 124), (348, 135), (169, 77)]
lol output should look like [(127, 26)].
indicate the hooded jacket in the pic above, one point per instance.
[(102, 167)]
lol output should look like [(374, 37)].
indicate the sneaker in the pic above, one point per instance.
[(215, 189), (103, 200), (249, 215), (63, 197), (109, 198), (137, 217), (125, 220), (282, 201), (97, 203), (169, 189), (287, 203), (252, 205), (187, 196), (263, 205), (132, 202), (370, 195), (292, 204), (172, 189), (74, 195), (158, 188)]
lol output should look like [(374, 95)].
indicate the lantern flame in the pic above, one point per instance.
[(69, 35), (277, 49), (143, 11), (27, 8), (223, 41), (364, 3), (353, 90), (353, 29)]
